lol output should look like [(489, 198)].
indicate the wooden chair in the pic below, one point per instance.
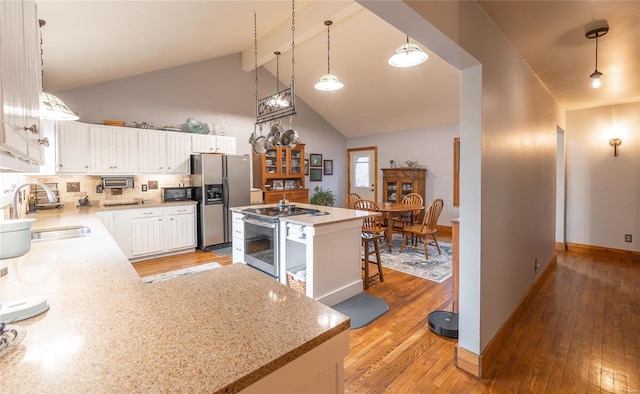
[(369, 240), (372, 224), (427, 228), (407, 218), (351, 200)]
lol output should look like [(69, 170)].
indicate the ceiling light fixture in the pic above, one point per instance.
[(408, 55), (328, 81), (595, 76), (51, 106)]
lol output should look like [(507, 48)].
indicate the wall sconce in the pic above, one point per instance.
[(615, 142)]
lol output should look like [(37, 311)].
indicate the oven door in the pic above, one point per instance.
[(261, 245)]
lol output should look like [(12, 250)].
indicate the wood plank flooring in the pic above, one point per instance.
[(581, 333)]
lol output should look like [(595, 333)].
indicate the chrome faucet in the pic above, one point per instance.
[(50, 195)]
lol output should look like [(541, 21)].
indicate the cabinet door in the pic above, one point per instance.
[(271, 160), (203, 143), (297, 162), (181, 231), (178, 153), (146, 236), (100, 150), (226, 144), (107, 220), (124, 151), (72, 143), (152, 151), (32, 83)]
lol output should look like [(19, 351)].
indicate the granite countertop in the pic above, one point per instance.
[(335, 215), (106, 331)]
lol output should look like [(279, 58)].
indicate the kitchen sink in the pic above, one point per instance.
[(60, 233)]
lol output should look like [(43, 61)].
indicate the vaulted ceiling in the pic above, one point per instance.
[(91, 41)]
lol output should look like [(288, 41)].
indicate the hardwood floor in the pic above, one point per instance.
[(581, 333)]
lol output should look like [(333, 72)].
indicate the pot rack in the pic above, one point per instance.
[(281, 104)]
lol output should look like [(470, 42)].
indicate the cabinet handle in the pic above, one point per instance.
[(147, 213), (44, 141), (160, 167), (182, 210), (33, 128), (169, 168), (84, 166)]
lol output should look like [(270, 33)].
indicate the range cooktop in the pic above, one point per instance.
[(275, 212)]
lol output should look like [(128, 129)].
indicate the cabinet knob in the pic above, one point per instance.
[(44, 141), (160, 167), (33, 128)]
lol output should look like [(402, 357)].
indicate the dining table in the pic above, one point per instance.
[(391, 210)]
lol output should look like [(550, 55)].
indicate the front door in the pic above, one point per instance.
[(363, 167)]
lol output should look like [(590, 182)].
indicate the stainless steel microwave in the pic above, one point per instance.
[(177, 193), (117, 182)]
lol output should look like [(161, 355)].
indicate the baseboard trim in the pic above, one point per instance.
[(561, 246), (481, 365), (574, 247), (443, 229)]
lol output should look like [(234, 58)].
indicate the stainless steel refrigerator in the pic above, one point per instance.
[(220, 182)]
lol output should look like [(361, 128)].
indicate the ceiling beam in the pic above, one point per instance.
[(309, 22)]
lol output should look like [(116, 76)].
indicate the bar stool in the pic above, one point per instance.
[(368, 240)]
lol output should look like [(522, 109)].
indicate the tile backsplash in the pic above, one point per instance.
[(71, 188)]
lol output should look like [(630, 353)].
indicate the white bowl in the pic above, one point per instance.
[(15, 237)]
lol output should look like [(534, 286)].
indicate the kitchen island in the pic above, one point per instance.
[(224, 330), (327, 247)]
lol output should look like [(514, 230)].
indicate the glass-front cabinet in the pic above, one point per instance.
[(398, 182), (280, 172)]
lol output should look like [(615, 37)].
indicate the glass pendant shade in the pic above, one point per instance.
[(329, 82), (408, 55), (595, 79), (51, 107)]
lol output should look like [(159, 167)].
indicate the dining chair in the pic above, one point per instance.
[(413, 200), (420, 232), (351, 199), (372, 224)]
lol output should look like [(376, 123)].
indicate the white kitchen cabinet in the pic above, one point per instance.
[(178, 152), (72, 147), (21, 83), (181, 227), (152, 147), (107, 219), (112, 150), (204, 143), (237, 240), (147, 232)]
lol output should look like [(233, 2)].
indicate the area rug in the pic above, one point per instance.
[(412, 261), (180, 272), (362, 309)]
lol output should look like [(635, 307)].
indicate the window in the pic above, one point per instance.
[(362, 171)]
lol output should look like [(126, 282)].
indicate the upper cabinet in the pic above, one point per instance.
[(152, 146), (113, 150), (204, 143), (178, 153), (72, 143), (21, 82)]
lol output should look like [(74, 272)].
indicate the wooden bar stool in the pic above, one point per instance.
[(368, 240)]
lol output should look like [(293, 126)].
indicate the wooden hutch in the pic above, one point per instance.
[(280, 172), (398, 182)]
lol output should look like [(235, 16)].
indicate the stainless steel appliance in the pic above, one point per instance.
[(177, 194), (261, 234), (220, 182), (117, 182)]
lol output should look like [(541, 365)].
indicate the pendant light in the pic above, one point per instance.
[(51, 106), (595, 76), (408, 55), (328, 81)]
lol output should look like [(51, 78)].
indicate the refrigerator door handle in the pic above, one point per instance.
[(225, 190)]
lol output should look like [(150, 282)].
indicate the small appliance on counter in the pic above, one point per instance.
[(184, 193), (117, 182)]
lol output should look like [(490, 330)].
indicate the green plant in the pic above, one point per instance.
[(323, 197)]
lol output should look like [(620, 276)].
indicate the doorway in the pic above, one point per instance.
[(362, 170)]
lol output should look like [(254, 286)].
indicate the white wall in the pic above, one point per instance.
[(603, 191), (215, 90), (432, 147), (507, 212)]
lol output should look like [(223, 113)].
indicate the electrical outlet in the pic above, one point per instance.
[(535, 265), (144, 187), (627, 238)]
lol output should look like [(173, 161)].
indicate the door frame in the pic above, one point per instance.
[(375, 168)]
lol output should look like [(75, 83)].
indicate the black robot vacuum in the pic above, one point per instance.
[(444, 323)]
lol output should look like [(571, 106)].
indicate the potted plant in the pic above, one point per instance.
[(323, 197)]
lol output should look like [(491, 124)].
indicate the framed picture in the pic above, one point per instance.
[(316, 160), (328, 167), (306, 166), (315, 174), (289, 184), (277, 184)]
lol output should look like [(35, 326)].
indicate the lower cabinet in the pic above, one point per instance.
[(144, 233)]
